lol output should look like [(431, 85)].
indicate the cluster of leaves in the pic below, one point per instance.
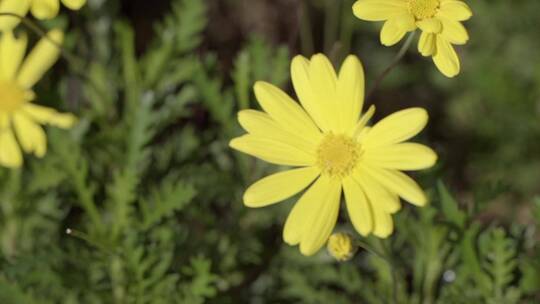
[(440, 254), (113, 186), (141, 203)]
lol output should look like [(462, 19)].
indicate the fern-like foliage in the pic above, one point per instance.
[(151, 194)]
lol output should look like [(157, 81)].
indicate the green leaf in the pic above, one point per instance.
[(171, 195), (450, 207), (241, 77)]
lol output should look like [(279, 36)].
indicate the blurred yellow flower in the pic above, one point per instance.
[(20, 119), (439, 21), (341, 246), (41, 9), (328, 138)]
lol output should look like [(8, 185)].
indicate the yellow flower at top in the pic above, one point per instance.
[(439, 21), (20, 119), (328, 139), (41, 9)]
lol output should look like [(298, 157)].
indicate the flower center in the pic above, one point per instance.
[(337, 155), (423, 9), (12, 96)]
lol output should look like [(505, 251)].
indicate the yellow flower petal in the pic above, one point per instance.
[(311, 204), (358, 207), (285, 111), (360, 130), (30, 135), (303, 89), (321, 221), (10, 153), (261, 124), (396, 128), (74, 4), (405, 22), (397, 182), (377, 194), (454, 32), (17, 7), (294, 225), (42, 57), (391, 33), (293, 229), (278, 187), (427, 44), (350, 89), (45, 9), (455, 10), (432, 25), (404, 156), (272, 151), (382, 222), (49, 116), (379, 10), (324, 86), (446, 58), (11, 54)]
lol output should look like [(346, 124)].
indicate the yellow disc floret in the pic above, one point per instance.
[(337, 155), (423, 9), (12, 96)]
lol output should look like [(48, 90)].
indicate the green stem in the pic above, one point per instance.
[(388, 257), (331, 24), (85, 198), (392, 65), (370, 249), (385, 255), (306, 36), (347, 28), (94, 242)]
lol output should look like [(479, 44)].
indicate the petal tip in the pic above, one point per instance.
[(307, 250), (248, 200), (235, 143), (383, 234)]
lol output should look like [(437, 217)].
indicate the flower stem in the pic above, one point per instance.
[(90, 240), (392, 65), (306, 36), (387, 253)]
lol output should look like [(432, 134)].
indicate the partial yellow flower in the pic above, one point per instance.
[(327, 138), (439, 21), (41, 9), (20, 119)]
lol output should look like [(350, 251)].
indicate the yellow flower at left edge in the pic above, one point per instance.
[(20, 119), (41, 9), (439, 21), (327, 138)]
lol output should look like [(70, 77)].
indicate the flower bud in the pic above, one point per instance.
[(341, 247)]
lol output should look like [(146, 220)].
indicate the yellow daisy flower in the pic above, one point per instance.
[(20, 119), (41, 9), (439, 21), (327, 137)]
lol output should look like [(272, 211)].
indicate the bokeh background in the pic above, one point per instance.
[(151, 193)]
